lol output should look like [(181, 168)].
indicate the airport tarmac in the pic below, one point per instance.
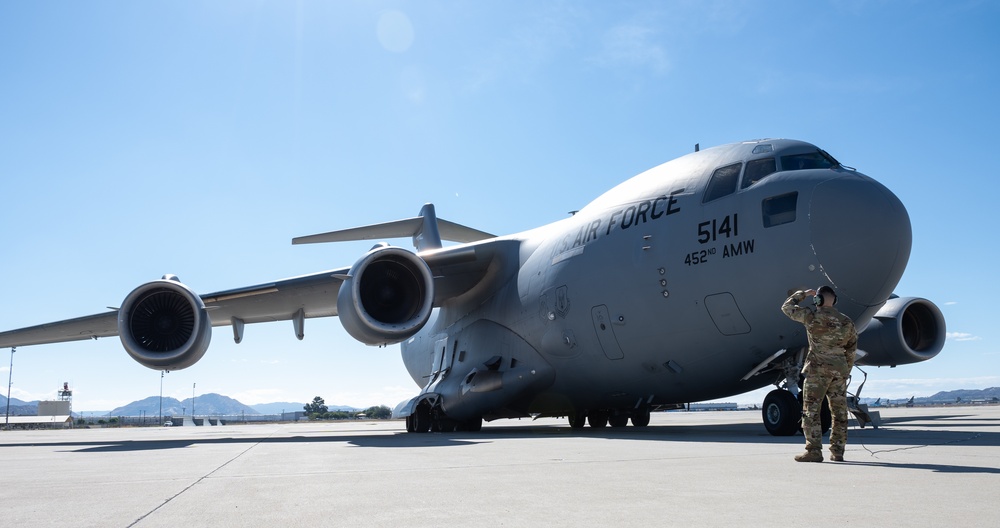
[(923, 467)]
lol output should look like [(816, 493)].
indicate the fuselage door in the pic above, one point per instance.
[(605, 332), (726, 314)]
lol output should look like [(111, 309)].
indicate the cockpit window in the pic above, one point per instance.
[(809, 160), (757, 170), (723, 182)]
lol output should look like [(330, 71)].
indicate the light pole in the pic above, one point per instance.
[(162, 372), (10, 381), (192, 400)]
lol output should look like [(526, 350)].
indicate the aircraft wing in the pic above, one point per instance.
[(91, 326), (455, 271), (315, 294)]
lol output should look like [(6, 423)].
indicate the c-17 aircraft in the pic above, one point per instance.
[(664, 290)]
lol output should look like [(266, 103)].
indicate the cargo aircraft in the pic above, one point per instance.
[(664, 290)]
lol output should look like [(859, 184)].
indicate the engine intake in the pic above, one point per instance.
[(388, 296), (905, 330), (164, 325)]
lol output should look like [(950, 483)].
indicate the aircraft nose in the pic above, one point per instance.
[(861, 237)]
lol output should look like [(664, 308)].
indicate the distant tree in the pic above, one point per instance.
[(379, 412), (317, 407)]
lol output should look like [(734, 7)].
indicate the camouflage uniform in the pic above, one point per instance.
[(832, 342)]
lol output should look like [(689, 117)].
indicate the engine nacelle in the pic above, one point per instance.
[(164, 325), (905, 330), (388, 297)]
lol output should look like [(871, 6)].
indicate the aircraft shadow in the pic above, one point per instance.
[(937, 468), (932, 433)]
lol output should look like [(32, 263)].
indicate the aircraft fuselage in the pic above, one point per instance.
[(667, 288)]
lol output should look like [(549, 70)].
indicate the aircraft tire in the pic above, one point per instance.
[(577, 420), (782, 413), (597, 419), (618, 419), (825, 416), (640, 418), (422, 419), (444, 425)]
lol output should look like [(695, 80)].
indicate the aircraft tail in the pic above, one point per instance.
[(426, 230)]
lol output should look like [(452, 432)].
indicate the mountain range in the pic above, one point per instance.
[(212, 404), (209, 404)]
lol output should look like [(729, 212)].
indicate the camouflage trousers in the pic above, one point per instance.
[(831, 384)]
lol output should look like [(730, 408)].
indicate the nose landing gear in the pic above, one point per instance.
[(782, 413)]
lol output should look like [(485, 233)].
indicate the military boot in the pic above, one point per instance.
[(810, 456), (837, 458)]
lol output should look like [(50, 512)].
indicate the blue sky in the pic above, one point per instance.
[(198, 138)]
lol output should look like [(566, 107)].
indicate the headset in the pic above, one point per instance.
[(819, 298)]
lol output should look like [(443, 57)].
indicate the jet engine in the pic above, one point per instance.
[(164, 326), (905, 330), (387, 297)]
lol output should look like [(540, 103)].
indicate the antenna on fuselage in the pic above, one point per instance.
[(697, 147)]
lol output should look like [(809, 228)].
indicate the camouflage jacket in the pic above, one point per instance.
[(832, 336)]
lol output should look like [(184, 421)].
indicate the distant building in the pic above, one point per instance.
[(721, 406), (54, 408), (40, 422)]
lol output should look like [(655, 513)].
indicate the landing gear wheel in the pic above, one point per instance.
[(782, 413), (618, 419), (444, 425), (597, 419), (640, 418), (578, 419), (421, 419), (825, 416)]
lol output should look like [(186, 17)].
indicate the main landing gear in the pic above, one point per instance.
[(599, 418), (426, 420), (782, 412)]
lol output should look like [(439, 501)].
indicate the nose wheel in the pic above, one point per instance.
[(782, 413)]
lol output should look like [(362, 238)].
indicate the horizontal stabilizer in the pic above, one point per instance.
[(415, 227)]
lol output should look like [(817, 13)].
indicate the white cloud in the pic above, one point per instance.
[(258, 396), (633, 45), (23, 395), (962, 336)]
